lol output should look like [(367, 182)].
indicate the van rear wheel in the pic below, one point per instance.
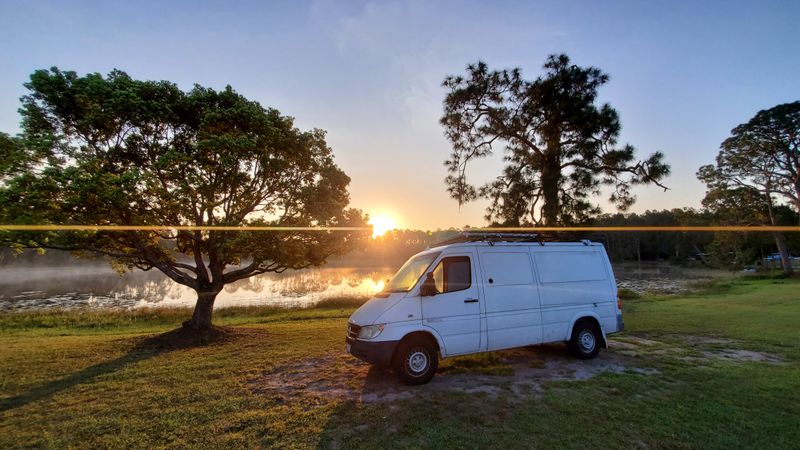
[(416, 361), (585, 341)]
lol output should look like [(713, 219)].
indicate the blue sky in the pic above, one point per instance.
[(682, 73)]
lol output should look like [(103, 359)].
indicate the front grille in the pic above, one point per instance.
[(353, 330)]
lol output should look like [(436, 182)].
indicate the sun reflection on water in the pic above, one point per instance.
[(102, 288)]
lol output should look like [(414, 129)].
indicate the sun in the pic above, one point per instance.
[(381, 223)]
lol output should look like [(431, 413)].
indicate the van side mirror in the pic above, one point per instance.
[(428, 288)]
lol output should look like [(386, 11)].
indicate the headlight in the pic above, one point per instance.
[(370, 331)]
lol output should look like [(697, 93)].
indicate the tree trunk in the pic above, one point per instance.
[(639, 251), (797, 192), (551, 181), (700, 254), (780, 239), (783, 249), (201, 318)]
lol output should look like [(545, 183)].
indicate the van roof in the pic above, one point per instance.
[(585, 243), (481, 238)]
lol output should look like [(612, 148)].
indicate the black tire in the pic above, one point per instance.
[(415, 361), (585, 341)]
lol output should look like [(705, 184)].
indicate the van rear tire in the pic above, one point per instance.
[(415, 361), (585, 340)]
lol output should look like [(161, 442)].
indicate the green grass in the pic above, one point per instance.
[(88, 380), (764, 314), (94, 322)]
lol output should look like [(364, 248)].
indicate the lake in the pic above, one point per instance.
[(26, 288), (97, 286)]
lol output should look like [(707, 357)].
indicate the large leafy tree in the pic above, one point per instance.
[(762, 156), (560, 145), (118, 151)]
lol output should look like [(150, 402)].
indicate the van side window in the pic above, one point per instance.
[(453, 274)]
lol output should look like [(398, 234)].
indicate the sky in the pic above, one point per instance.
[(683, 73)]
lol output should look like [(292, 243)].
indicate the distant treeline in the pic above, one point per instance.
[(721, 250)]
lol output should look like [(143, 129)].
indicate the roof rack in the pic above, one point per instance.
[(541, 238), (477, 236)]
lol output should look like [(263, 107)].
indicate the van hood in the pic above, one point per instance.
[(369, 312)]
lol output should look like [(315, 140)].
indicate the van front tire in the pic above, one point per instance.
[(415, 361), (586, 340)]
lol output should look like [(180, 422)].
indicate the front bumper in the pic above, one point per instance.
[(378, 353)]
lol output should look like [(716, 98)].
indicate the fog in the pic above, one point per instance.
[(26, 286), (30, 284)]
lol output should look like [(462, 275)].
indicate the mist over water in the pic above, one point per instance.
[(96, 285)]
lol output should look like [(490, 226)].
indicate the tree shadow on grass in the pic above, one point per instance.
[(142, 348)]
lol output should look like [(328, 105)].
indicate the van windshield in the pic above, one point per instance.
[(407, 276)]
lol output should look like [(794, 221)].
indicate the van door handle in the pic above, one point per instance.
[(471, 300)]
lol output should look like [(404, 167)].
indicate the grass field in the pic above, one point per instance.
[(719, 369)]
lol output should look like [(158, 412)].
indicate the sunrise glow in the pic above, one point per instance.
[(381, 223)]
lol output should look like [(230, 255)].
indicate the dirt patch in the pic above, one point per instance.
[(745, 356), (342, 377), (716, 348), (701, 349), (518, 373), (707, 340), (640, 341), (732, 355), (330, 377)]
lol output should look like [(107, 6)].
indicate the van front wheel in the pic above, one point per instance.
[(585, 341), (416, 361)]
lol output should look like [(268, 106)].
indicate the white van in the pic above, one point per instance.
[(485, 292)]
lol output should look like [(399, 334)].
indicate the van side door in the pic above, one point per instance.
[(574, 282), (511, 297), (455, 311)]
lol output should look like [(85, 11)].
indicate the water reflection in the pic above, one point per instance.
[(662, 278), (99, 287)]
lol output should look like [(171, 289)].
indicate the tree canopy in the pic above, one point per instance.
[(560, 145), (118, 151), (761, 160), (762, 154)]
